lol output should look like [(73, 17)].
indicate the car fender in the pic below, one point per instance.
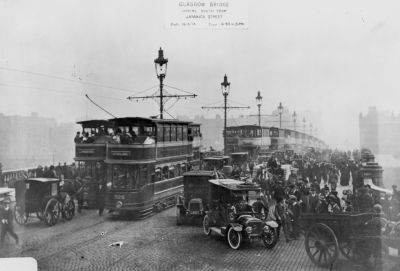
[(271, 224), (236, 226)]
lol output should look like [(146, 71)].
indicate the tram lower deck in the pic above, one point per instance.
[(140, 190)]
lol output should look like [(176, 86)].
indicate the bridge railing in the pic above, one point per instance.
[(8, 177)]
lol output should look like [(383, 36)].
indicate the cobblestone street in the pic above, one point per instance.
[(155, 243)]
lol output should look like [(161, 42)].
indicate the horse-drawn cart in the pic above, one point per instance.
[(42, 196), (358, 236)]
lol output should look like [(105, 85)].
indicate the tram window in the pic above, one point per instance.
[(129, 177), (173, 132), (185, 132), (142, 176), (167, 132), (171, 172), (120, 177), (164, 173), (160, 134), (157, 175), (133, 131), (179, 133), (149, 131), (183, 167)]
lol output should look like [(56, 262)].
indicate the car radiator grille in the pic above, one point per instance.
[(256, 227)]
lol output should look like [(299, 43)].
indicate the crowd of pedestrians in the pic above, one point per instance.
[(312, 187)]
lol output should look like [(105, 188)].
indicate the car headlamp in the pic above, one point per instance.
[(249, 230), (119, 204)]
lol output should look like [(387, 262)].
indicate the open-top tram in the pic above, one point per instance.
[(145, 163)]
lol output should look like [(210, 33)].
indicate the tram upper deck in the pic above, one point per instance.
[(135, 140), (252, 137)]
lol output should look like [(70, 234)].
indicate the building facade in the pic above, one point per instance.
[(380, 132)]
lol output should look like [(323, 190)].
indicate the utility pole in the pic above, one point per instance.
[(294, 120), (225, 87), (280, 111), (259, 100), (161, 70)]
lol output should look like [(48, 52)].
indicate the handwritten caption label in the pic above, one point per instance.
[(229, 14)]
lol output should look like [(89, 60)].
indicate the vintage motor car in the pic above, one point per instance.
[(232, 215), (191, 207), (214, 162)]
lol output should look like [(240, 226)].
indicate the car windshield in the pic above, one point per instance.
[(238, 197)]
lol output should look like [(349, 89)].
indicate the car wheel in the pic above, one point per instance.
[(234, 238), (206, 225), (269, 238)]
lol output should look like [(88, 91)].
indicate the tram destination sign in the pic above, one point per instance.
[(218, 14), (86, 151), (125, 154)]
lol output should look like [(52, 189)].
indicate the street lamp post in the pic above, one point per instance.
[(304, 124), (259, 100), (294, 120), (280, 111), (225, 87), (310, 128), (161, 72)]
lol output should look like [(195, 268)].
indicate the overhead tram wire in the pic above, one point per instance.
[(57, 91), (73, 80), (188, 92), (99, 106)]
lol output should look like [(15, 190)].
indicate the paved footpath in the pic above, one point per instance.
[(155, 243)]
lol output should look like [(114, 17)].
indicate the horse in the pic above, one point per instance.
[(74, 188)]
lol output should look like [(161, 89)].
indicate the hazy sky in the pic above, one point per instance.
[(332, 57)]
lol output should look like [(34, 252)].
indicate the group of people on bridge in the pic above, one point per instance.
[(314, 186)]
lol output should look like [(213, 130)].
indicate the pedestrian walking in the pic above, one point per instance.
[(281, 215), (101, 198), (7, 226)]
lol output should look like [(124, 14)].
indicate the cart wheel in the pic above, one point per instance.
[(178, 216), (321, 245), (20, 215), (347, 248), (52, 212), (206, 225), (69, 210), (40, 215), (234, 238)]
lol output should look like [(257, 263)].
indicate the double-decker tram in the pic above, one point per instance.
[(247, 138), (145, 162), (258, 140)]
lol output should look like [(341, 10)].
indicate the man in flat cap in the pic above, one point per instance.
[(6, 218)]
